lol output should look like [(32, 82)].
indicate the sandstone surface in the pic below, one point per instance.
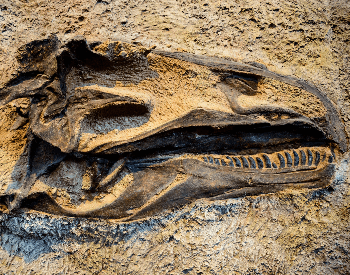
[(290, 231)]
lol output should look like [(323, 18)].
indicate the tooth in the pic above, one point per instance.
[(231, 161), (317, 158), (260, 163), (282, 160), (310, 157), (289, 159), (303, 157), (238, 162), (296, 158), (267, 161), (252, 162), (245, 162)]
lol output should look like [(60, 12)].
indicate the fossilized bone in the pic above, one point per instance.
[(147, 163)]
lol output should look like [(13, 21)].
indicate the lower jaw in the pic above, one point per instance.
[(181, 179), (186, 178)]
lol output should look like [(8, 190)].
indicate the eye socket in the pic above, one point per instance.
[(38, 98), (120, 116), (251, 81), (245, 84), (117, 110)]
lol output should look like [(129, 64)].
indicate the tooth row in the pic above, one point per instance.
[(302, 157)]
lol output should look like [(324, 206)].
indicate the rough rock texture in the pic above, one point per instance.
[(290, 232)]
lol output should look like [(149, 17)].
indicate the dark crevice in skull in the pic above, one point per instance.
[(225, 141)]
